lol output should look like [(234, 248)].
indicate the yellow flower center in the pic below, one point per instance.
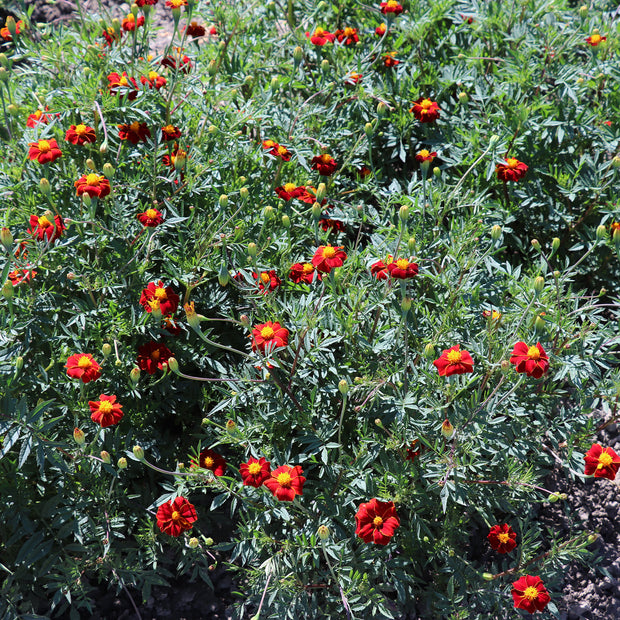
[(265, 277), (533, 353), (153, 75), (176, 515), (44, 222), (105, 406), (329, 252), (425, 104), (254, 468), (530, 593), (308, 268), (282, 150), (267, 333), (38, 114), (209, 462), (392, 3), (151, 214), (135, 126), (402, 263), (44, 146), (319, 31), (177, 3), (349, 32), (503, 537), (325, 158), (605, 460), (169, 129), (495, 315), (93, 179), (424, 153), (80, 130), (160, 293), (512, 163), (289, 187), (595, 39), (130, 18), (84, 362), (284, 479), (154, 304), (123, 81), (454, 357), (377, 521), (155, 355)]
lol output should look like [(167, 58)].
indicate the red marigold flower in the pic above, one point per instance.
[(177, 154), (364, 171), (142, 3), (210, 459), (20, 276), (111, 36), (130, 23), (282, 152), (512, 170), (105, 411), (303, 272), (255, 472), (325, 164), (213, 31), (533, 361), (38, 118), (134, 132), (267, 281), (376, 521), (286, 482), (380, 270), (289, 191), (353, 78), (328, 224), (530, 594), (176, 4), (176, 516), (122, 83), (150, 218), (5, 33), (153, 80), (402, 269), (390, 60), (170, 132), (80, 134), (158, 295), (308, 195), (184, 62), (595, 39), (380, 29), (391, 6), (153, 355), (602, 462), (425, 110), (44, 151), (320, 37), (425, 155), (83, 366), (502, 538), (348, 36), (93, 184), (194, 29), (42, 227), (414, 451), (269, 336), (453, 361), (328, 257)]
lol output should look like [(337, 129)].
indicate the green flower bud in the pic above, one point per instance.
[(411, 245), (122, 463), (286, 221), (78, 436), (535, 244), (615, 162), (382, 110), (616, 237), (368, 129), (323, 532), (106, 349), (555, 244), (403, 213), (212, 129), (488, 576), (601, 232), (447, 430), (209, 542), (86, 199), (245, 320), (244, 193), (223, 201), (298, 54), (343, 386), (11, 25), (134, 375), (496, 232), (539, 324), (13, 109), (44, 186), (8, 290), (583, 11), (324, 65), (4, 75), (494, 140), (405, 304), (316, 211), (378, 422), (173, 364), (108, 170), (19, 363), (429, 351), (539, 285), (592, 538), (223, 275), (105, 457), (6, 239), (505, 366), (274, 85), (252, 249), (269, 212), (138, 452), (436, 172), (193, 542), (134, 10), (463, 97), (4, 61), (320, 192)]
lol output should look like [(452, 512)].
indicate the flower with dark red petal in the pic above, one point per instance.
[(176, 516), (348, 36), (595, 39), (93, 184), (134, 132), (152, 356), (267, 280), (170, 132), (390, 60), (153, 80), (320, 37), (286, 482), (80, 134), (325, 164), (512, 170), (213, 461), (425, 156), (453, 361), (156, 295), (380, 30), (328, 257), (105, 411), (130, 23), (425, 110), (37, 118), (376, 521), (83, 366), (303, 272), (391, 6), (329, 224), (379, 269), (402, 269), (288, 191), (194, 29), (44, 151), (41, 227), (602, 462), (122, 84), (269, 336), (533, 361), (530, 594), (255, 472), (502, 538), (150, 218)]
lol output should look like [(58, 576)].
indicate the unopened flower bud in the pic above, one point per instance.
[(78, 436), (179, 160), (223, 201), (488, 576), (231, 426), (592, 538), (212, 129), (616, 237), (316, 211), (505, 366), (13, 109), (223, 275), (274, 85), (106, 349), (11, 25), (105, 457), (108, 170), (555, 244), (539, 285), (535, 244), (343, 386), (286, 221), (86, 199), (539, 324), (411, 245), (122, 463), (209, 542), (138, 452), (369, 129), (297, 55), (193, 542), (553, 497), (382, 109), (173, 364), (447, 430), (323, 532), (496, 232), (324, 65), (8, 290), (134, 375), (4, 61), (403, 213), (44, 186), (320, 192), (91, 164), (601, 232), (244, 193), (493, 140), (19, 363), (429, 351), (436, 172), (245, 320), (252, 249), (378, 422), (134, 9), (463, 97), (6, 238), (4, 75), (405, 304)]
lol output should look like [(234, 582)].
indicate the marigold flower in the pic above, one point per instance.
[(379, 269), (402, 269), (425, 110), (83, 366), (320, 37), (390, 60), (142, 3), (153, 355), (130, 23), (80, 134), (380, 29), (502, 538), (5, 33), (602, 462), (303, 272), (42, 227), (595, 39), (533, 360), (328, 257), (168, 300), (329, 224), (111, 36), (93, 184), (194, 29), (153, 80), (213, 461), (105, 411), (308, 195), (391, 6), (176, 4), (134, 132), (170, 132), (255, 472), (176, 516), (213, 31), (289, 191), (267, 280), (348, 36), (37, 118), (325, 164), (20, 276), (177, 154), (530, 594), (353, 78), (425, 156), (44, 151), (285, 482), (453, 361), (494, 315), (269, 336), (414, 451), (150, 218), (122, 83), (512, 170), (184, 61), (376, 521)]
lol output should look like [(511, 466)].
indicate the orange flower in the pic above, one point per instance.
[(44, 151), (453, 361), (42, 227), (286, 482), (380, 30), (105, 411), (391, 6), (425, 110), (320, 37), (602, 462), (402, 269), (328, 257), (269, 336), (303, 272), (529, 593), (83, 366), (595, 39), (255, 472), (20, 276), (502, 538), (5, 33), (170, 132), (376, 521), (267, 280), (120, 84), (150, 218), (80, 134), (390, 60), (176, 4), (512, 170), (153, 80), (176, 516), (93, 184), (533, 361), (184, 62), (130, 23), (134, 132), (348, 36), (353, 78), (325, 164)]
